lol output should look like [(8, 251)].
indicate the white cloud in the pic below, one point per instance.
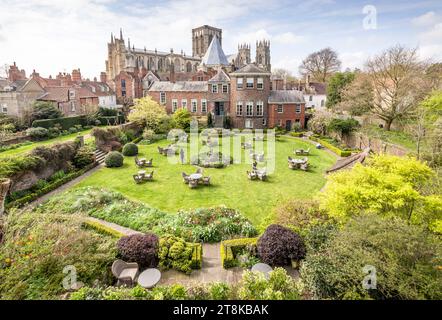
[(353, 60), (428, 19), (288, 38)]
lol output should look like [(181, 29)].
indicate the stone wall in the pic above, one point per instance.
[(361, 141), (54, 158)]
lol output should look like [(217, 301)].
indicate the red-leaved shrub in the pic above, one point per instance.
[(139, 248), (278, 245)]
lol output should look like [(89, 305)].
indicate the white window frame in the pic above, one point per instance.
[(298, 108), (249, 104), (250, 126), (214, 88), (259, 108), (252, 83), (225, 88), (4, 108), (240, 83), (174, 105), (162, 97), (280, 108), (239, 107), (260, 84), (203, 105), (184, 103), (193, 105)]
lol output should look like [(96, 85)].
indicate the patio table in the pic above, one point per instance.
[(149, 278), (196, 176), (262, 267)]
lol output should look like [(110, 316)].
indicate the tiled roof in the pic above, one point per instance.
[(101, 88), (190, 86), (215, 55), (286, 96), (59, 94), (220, 76), (251, 68)]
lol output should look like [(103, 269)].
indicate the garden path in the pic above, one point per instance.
[(211, 270)]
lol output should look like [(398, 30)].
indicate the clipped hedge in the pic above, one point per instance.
[(339, 152), (229, 247), (102, 229), (66, 123), (297, 134), (35, 195), (197, 256)]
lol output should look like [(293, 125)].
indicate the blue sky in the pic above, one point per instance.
[(52, 36)]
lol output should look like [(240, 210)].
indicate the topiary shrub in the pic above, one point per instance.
[(84, 156), (175, 253), (130, 149), (38, 133), (279, 245), (114, 159), (139, 248)]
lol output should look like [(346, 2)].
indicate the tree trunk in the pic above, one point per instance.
[(388, 124), (4, 188)]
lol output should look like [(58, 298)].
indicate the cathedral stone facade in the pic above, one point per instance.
[(232, 89)]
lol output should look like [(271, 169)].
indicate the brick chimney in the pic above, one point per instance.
[(103, 77), (16, 74), (76, 75)]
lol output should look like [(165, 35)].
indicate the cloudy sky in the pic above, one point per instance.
[(52, 36)]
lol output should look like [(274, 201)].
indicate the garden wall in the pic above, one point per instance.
[(22, 137), (52, 159), (361, 141)]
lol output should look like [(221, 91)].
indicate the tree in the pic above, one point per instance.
[(357, 96), (148, 113), (319, 123), (181, 119), (321, 64), (337, 83), (398, 80), (387, 186), (343, 127), (283, 74), (404, 257), (45, 110)]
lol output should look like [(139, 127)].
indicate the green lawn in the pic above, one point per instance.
[(230, 186), (400, 138), (49, 142)]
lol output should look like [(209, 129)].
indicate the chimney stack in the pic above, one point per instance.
[(76, 75)]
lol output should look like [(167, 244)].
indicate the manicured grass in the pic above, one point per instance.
[(230, 185), (29, 147)]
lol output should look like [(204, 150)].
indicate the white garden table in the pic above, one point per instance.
[(149, 278)]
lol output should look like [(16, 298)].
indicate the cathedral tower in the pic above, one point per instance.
[(263, 55), (202, 37), (243, 55)]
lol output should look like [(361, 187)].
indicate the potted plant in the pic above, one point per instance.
[(4, 188)]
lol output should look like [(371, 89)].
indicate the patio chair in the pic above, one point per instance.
[(138, 179), (148, 177), (160, 150), (186, 177), (149, 163), (251, 175), (304, 166), (199, 171), (262, 175), (290, 158), (193, 184), (292, 165), (125, 272), (259, 157), (206, 181)]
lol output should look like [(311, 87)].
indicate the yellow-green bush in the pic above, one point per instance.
[(228, 247), (339, 152)]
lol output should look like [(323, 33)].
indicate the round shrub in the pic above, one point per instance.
[(130, 149), (175, 253), (37, 133), (73, 130), (84, 156), (114, 159), (279, 245), (139, 248)]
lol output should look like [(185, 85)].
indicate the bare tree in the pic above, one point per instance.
[(357, 97), (283, 74), (4, 70), (398, 81), (321, 64)]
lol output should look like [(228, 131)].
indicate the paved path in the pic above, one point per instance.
[(123, 230), (63, 187)]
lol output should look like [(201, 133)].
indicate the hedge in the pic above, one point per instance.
[(297, 134), (226, 250), (339, 152), (197, 256), (102, 229), (35, 195), (66, 123)]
